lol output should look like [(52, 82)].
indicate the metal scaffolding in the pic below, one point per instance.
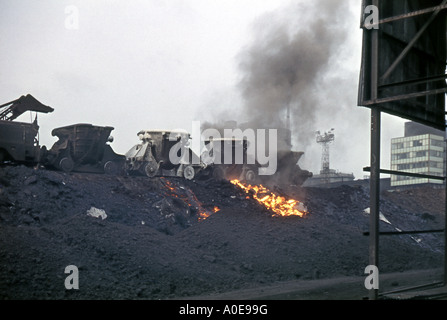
[(403, 74), (325, 140)]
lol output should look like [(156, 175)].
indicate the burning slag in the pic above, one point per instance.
[(257, 148)]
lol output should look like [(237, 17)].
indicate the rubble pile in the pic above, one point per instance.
[(157, 238)]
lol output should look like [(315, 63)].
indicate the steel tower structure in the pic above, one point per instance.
[(325, 140)]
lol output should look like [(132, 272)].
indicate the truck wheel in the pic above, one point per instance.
[(110, 167), (151, 169), (66, 164), (250, 176), (189, 173)]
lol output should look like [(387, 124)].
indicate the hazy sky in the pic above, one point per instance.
[(164, 63)]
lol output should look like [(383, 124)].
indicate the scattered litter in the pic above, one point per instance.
[(301, 207), (381, 216), (97, 213), (417, 240)]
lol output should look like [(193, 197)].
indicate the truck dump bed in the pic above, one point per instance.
[(83, 147)]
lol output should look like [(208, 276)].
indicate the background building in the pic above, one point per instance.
[(421, 150)]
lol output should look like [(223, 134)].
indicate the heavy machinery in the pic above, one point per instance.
[(247, 170), (236, 165), (153, 156), (83, 148), (287, 169), (19, 141)]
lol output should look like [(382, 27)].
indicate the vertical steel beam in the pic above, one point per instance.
[(374, 194), (445, 212), (375, 158)]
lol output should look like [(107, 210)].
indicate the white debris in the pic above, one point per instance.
[(381, 216), (301, 207), (97, 213), (417, 240)]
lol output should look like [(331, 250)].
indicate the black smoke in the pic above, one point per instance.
[(285, 66)]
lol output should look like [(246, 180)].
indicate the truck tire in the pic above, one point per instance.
[(66, 164), (151, 169), (111, 168), (250, 176), (189, 173)]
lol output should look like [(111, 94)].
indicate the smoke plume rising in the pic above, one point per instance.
[(285, 65)]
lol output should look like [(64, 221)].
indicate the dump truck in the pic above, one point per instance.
[(19, 141), (287, 168), (154, 155), (84, 147), (236, 165)]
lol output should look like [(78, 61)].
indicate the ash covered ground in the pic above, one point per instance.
[(154, 245)]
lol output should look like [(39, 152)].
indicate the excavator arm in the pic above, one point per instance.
[(13, 109)]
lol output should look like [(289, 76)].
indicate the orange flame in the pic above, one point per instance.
[(189, 198), (279, 205), (203, 213)]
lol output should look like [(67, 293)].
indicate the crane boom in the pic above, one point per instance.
[(15, 108)]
